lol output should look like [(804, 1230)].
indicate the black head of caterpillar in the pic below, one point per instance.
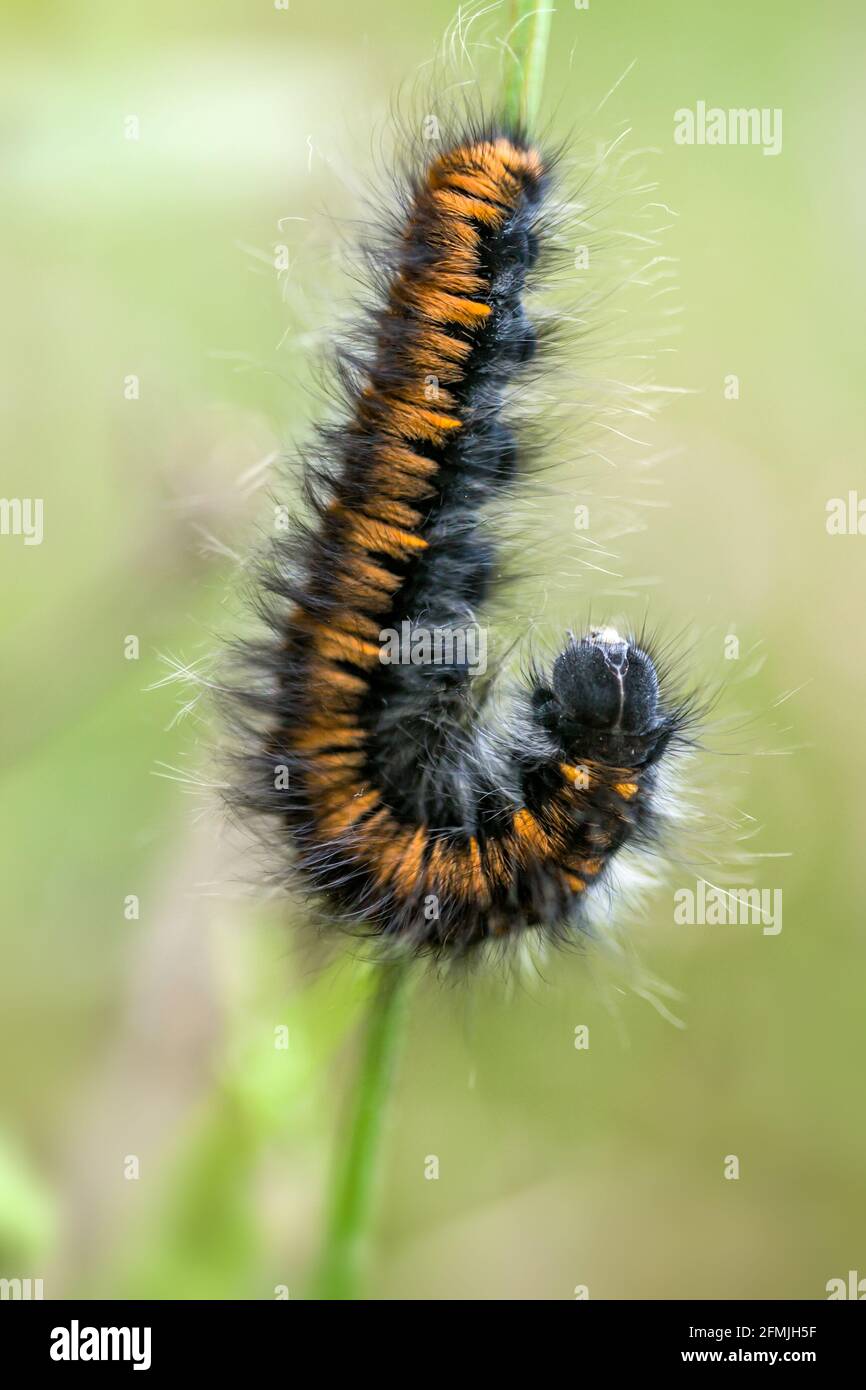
[(603, 703), (413, 807)]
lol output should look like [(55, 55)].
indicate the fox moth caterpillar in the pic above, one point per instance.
[(412, 807)]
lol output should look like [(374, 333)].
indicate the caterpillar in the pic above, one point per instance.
[(417, 809)]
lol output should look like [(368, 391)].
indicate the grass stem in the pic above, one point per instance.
[(354, 1184), (527, 54)]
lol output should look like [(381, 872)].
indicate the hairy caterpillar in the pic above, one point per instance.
[(412, 806)]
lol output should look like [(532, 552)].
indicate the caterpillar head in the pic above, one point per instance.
[(605, 702)]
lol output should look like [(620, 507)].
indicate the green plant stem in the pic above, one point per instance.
[(527, 40), (354, 1179)]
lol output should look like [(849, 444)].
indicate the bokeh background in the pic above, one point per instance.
[(154, 1037)]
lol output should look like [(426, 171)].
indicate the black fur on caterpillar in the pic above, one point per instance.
[(412, 807)]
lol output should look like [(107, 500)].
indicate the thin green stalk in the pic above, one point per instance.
[(354, 1179), (527, 43)]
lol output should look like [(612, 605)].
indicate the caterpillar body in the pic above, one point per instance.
[(415, 808)]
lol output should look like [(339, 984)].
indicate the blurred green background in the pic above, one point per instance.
[(154, 1038)]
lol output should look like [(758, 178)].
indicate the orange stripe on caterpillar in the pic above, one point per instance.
[(392, 513), (440, 307), (346, 620), (460, 205), (579, 777), (481, 185), (355, 623), (338, 732), (589, 868), (498, 865), (377, 536), (408, 421), (393, 847), (369, 576), (418, 393), (336, 819), (390, 482), (350, 761), (409, 870), (334, 681), (331, 643), (402, 460), (450, 868), (531, 833), (431, 348)]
